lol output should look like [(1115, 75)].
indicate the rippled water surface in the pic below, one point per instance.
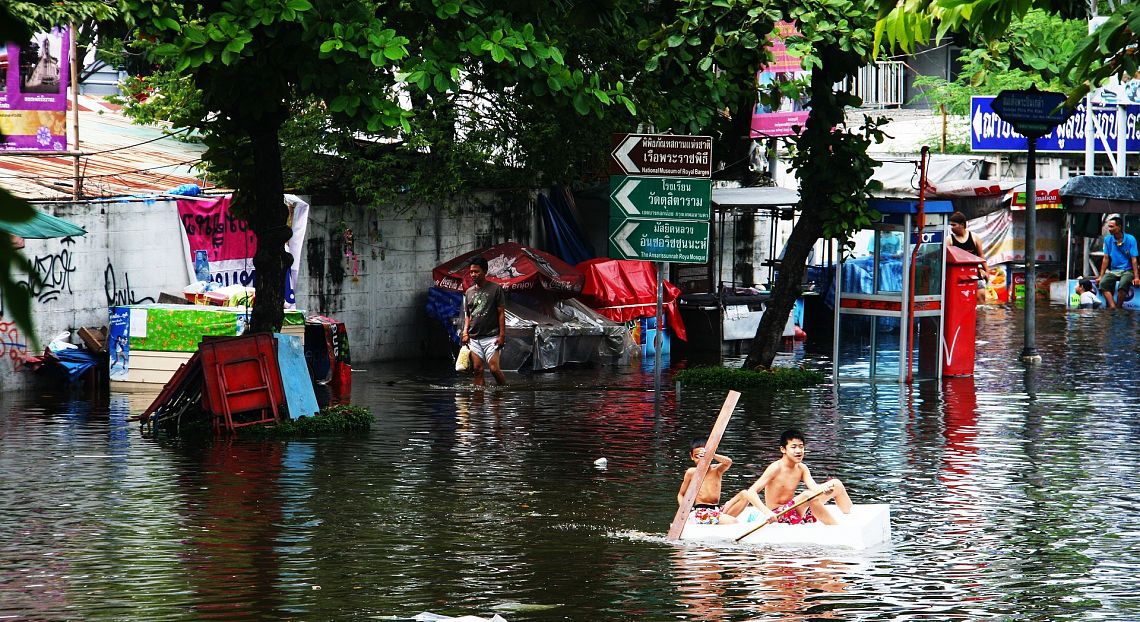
[(1013, 497)]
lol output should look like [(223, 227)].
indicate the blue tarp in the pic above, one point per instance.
[(564, 237), (444, 306), (75, 361)]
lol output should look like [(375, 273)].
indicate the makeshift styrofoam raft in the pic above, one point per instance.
[(864, 527)]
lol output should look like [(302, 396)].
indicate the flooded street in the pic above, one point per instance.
[(1013, 497)]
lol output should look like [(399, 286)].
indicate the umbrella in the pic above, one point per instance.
[(516, 268)]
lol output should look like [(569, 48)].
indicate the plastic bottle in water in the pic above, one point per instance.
[(201, 266)]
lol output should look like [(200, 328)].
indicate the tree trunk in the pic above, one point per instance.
[(267, 217), (816, 169)]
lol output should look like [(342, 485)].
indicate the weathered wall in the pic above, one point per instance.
[(375, 279)]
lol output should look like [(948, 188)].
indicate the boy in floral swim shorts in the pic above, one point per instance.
[(706, 508), (779, 483)]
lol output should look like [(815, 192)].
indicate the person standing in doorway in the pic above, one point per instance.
[(484, 322), (1118, 264), (967, 240)]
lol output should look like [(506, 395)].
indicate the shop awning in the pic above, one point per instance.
[(1088, 194), (42, 226)]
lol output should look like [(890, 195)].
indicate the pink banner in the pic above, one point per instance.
[(227, 240), (230, 244), (779, 118)]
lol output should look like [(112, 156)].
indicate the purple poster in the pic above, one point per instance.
[(33, 93)]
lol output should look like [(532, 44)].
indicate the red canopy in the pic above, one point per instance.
[(622, 290), (516, 267)]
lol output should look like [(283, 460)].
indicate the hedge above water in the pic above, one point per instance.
[(331, 420), (737, 378)]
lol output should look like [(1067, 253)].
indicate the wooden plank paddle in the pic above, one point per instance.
[(772, 519), (682, 516)]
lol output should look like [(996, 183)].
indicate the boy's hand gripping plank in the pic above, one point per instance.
[(682, 516), (804, 498)]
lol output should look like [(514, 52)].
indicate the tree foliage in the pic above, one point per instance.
[(418, 75), (1034, 51), (834, 39)]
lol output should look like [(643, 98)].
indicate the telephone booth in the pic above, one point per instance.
[(880, 335)]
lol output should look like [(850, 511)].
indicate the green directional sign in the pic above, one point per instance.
[(660, 197), (681, 241)]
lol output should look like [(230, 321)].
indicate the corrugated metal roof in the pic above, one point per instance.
[(123, 160), (1097, 187)]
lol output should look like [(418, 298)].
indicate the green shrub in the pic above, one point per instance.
[(739, 379), (338, 419)]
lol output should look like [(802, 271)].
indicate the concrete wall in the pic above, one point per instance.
[(377, 286)]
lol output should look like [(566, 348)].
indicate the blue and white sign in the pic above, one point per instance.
[(988, 132), (928, 237)]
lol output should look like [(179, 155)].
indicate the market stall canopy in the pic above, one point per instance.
[(41, 226), (971, 188), (623, 290), (754, 198), (516, 267), (1089, 194)]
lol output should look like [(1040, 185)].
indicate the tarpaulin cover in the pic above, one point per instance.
[(573, 334), (623, 290), (42, 226), (516, 267)]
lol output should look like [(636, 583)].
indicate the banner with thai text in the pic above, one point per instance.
[(210, 225), (33, 93)]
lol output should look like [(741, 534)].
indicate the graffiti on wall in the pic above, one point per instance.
[(12, 344), (119, 295), (51, 274)]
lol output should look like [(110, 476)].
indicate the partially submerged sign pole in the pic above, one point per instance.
[(682, 515), (1033, 114)]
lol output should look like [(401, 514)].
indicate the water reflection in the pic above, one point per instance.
[(715, 585), (1012, 498)]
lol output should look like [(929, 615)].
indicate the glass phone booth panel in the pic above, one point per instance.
[(876, 324)]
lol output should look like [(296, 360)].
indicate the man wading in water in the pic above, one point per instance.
[(484, 322)]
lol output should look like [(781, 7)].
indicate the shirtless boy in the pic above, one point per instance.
[(706, 507), (779, 483)]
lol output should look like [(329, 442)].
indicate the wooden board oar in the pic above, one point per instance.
[(782, 512), (682, 516)]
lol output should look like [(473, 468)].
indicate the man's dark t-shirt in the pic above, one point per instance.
[(482, 304)]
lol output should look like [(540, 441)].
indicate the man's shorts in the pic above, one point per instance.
[(1111, 277), (794, 517), (483, 347), (705, 515)]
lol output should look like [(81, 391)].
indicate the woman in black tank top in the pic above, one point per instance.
[(966, 240)]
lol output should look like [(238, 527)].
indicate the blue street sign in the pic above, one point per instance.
[(988, 132)]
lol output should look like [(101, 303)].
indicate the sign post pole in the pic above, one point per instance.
[(1033, 114), (1029, 353)]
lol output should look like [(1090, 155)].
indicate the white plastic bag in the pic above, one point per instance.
[(463, 361)]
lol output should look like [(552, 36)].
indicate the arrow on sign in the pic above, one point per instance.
[(622, 154), (622, 236), (623, 199)]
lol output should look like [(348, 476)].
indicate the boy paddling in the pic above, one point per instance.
[(706, 508), (779, 483)]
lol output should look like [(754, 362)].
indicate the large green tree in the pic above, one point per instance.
[(372, 67), (835, 39)]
